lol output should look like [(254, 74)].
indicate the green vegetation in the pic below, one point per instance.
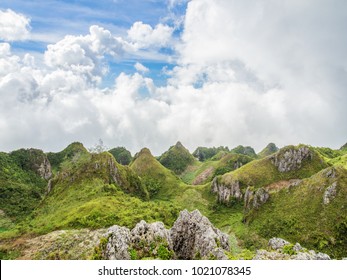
[(270, 149), (93, 191), (122, 155), (177, 158), (244, 150), (298, 214), (21, 188), (262, 172), (159, 181), (203, 172), (72, 153), (204, 153)]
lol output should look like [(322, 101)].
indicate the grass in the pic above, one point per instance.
[(177, 158), (94, 191), (299, 215), (217, 165), (262, 172)]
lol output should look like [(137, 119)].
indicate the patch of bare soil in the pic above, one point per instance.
[(203, 176)]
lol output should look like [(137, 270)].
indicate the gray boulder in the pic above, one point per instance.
[(194, 236), (117, 247), (277, 243)]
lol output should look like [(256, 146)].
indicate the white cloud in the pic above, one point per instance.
[(141, 68), (144, 36), (247, 73), (83, 54), (13, 26)]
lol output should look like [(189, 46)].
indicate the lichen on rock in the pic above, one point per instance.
[(291, 159), (226, 192)]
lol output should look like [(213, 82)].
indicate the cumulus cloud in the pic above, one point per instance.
[(246, 74), (141, 68), (145, 36), (13, 26), (83, 54)]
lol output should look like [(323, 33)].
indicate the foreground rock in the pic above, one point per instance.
[(280, 249), (191, 237)]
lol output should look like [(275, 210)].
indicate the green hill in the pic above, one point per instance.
[(158, 180), (204, 153), (288, 163), (122, 155), (244, 150), (23, 181), (94, 191), (344, 147), (313, 213), (298, 193), (177, 158), (221, 163), (72, 153), (270, 149)]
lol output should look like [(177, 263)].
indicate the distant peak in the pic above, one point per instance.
[(179, 145), (145, 151), (344, 147)]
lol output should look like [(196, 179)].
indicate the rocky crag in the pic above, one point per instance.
[(280, 249), (191, 237)]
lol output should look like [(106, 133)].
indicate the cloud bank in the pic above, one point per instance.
[(13, 26), (246, 73)]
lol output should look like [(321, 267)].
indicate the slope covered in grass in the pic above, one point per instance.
[(21, 186), (158, 180), (95, 191), (177, 158), (263, 172), (221, 163), (313, 213), (270, 149)]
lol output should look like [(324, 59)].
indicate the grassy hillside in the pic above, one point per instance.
[(299, 214), (263, 172), (221, 163), (158, 180), (270, 149), (122, 155), (70, 154), (177, 158), (244, 150), (21, 188), (95, 191)]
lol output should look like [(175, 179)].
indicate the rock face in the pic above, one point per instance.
[(226, 192), (254, 199), (144, 234), (193, 235), (283, 250), (277, 243), (291, 159), (45, 169), (330, 193), (117, 247)]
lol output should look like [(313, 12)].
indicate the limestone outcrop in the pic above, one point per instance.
[(291, 159), (191, 237), (280, 249), (226, 192)]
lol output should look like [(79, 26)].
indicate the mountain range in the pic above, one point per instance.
[(77, 204)]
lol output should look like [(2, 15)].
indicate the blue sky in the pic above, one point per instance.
[(52, 20), (151, 73)]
